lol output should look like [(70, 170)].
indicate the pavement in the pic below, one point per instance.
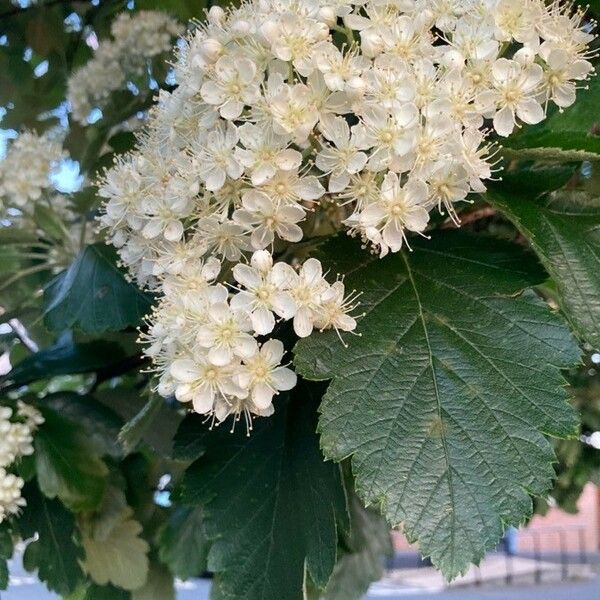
[(586, 590), (488, 582)]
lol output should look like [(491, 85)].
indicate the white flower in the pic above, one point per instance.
[(263, 376), (516, 19), (404, 40), (192, 278), (214, 156), (225, 334), (389, 87), (267, 218), (400, 208), (234, 85), (264, 291), (514, 95), (342, 159), (200, 382), (561, 74), (306, 288), (11, 501), (264, 153), (448, 184), (341, 71), (292, 38), (288, 187), (334, 308), (388, 135), (226, 239), (137, 37), (25, 172), (293, 111)]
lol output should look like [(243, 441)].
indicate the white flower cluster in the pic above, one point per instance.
[(26, 169), (203, 337), (16, 441), (137, 39), (366, 114)]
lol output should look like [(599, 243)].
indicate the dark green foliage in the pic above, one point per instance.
[(271, 505), (67, 465), (451, 356), (54, 554), (563, 230), (93, 295)]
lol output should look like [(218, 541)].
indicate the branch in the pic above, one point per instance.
[(471, 217)]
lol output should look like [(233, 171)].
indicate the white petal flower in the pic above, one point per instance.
[(267, 219), (263, 376)]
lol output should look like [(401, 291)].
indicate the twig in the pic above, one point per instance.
[(476, 215)]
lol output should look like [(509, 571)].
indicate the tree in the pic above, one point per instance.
[(207, 374)]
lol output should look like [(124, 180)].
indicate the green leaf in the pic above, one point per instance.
[(100, 423), (49, 222), (575, 129), (115, 552), (67, 466), (537, 177), (4, 575), (366, 546), (93, 294), (182, 9), (64, 358), (6, 552), (53, 553), (564, 231), (13, 234), (159, 585), (104, 592), (6, 541), (134, 430), (444, 399), (271, 503), (189, 443), (183, 544)]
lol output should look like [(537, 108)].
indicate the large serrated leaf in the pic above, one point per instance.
[(183, 544), (93, 295), (271, 503), (67, 465), (365, 549), (115, 552), (52, 550), (564, 230), (444, 399)]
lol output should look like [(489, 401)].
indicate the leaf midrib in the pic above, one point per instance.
[(438, 402)]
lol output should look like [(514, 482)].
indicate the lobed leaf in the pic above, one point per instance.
[(67, 465), (52, 551), (271, 504), (444, 400), (565, 234)]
